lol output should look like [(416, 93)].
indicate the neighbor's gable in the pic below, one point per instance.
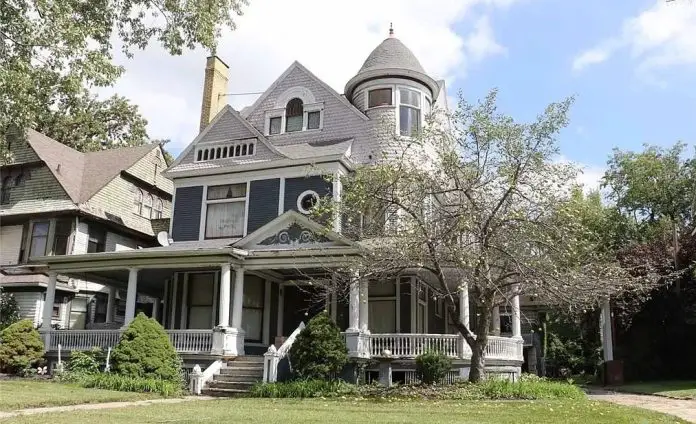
[(21, 151), (149, 169)]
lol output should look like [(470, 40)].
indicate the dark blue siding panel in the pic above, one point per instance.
[(187, 213), (296, 186), (263, 203)]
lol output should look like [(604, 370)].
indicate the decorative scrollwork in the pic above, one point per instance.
[(294, 234)]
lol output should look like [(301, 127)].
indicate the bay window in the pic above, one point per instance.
[(225, 211), (61, 237), (39, 238), (409, 112)]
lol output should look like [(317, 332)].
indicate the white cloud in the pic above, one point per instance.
[(590, 177), (332, 39), (660, 37)]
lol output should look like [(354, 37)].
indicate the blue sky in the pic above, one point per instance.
[(630, 64)]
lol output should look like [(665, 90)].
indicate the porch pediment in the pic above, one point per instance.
[(289, 231)]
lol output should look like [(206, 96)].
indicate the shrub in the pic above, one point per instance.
[(123, 383), (303, 389), (319, 351), (9, 310), (432, 366), (529, 390), (20, 347), (145, 351), (89, 362)]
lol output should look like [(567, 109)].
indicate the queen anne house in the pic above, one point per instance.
[(236, 274)]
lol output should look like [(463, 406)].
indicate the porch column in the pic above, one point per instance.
[(155, 309), (110, 303), (495, 321), (607, 336), (238, 298), (464, 303), (354, 306), (516, 314), (224, 320), (131, 295), (49, 301), (364, 306)]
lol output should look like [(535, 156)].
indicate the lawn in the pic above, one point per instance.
[(683, 389), (288, 411), (20, 394)]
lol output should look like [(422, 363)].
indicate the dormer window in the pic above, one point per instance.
[(293, 115)]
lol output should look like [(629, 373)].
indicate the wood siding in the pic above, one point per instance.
[(10, 242)]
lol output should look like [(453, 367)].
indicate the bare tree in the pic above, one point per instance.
[(481, 204)]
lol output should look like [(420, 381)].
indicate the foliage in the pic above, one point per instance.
[(53, 54), (9, 310), (124, 383), (87, 362), (145, 351), (574, 346), (303, 389), (432, 366), (319, 351), (483, 200), (20, 347)]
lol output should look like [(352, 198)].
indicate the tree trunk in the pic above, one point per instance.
[(477, 372)]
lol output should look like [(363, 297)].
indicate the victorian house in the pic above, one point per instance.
[(235, 275)]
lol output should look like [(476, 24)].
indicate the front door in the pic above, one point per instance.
[(301, 304)]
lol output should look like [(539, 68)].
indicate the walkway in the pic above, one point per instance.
[(93, 406), (682, 408)]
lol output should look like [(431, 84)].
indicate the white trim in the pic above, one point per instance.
[(246, 208), (302, 196), (230, 147), (281, 197), (414, 305), (367, 90), (280, 113), (204, 213), (398, 304), (205, 202), (266, 334), (299, 92)]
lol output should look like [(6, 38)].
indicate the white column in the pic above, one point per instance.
[(131, 295), (516, 315), (337, 188), (364, 306), (354, 305), (464, 303), (495, 321), (238, 298), (224, 318), (49, 301), (155, 309), (110, 304), (607, 337)]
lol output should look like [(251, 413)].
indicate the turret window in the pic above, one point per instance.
[(409, 112), (379, 97)]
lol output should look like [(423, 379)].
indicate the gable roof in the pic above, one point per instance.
[(297, 65), (83, 174)]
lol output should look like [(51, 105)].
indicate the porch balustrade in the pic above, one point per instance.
[(184, 341)]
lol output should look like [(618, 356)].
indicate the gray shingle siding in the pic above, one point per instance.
[(187, 213), (263, 203), (295, 186)]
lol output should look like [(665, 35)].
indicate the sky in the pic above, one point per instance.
[(629, 64)]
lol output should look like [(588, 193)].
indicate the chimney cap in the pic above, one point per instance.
[(216, 57)]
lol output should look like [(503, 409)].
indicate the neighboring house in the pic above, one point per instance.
[(57, 201), (237, 276)]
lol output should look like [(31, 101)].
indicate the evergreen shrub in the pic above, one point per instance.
[(319, 351)]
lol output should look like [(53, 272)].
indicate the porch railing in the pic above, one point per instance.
[(184, 341), (272, 357), (452, 345)]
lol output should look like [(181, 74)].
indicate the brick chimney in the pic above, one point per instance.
[(214, 89)]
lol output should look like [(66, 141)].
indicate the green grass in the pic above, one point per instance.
[(22, 393), (683, 389), (347, 411)]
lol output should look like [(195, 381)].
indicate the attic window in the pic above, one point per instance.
[(293, 115), (226, 150), (296, 116)]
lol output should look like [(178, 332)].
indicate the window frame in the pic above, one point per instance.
[(93, 231), (281, 113), (32, 237), (157, 209), (204, 215), (419, 108), (392, 100), (5, 186), (304, 194), (138, 201), (396, 298)]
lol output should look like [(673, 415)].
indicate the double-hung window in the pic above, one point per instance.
[(409, 112), (225, 209), (39, 238)]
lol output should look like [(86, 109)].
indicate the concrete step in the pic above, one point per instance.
[(246, 359), (238, 378), (223, 392), (250, 372), (215, 384)]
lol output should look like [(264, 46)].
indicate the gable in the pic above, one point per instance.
[(292, 230), (149, 169), (21, 151)]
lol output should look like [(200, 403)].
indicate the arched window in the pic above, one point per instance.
[(138, 202), (147, 206), (157, 211), (5, 190), (293, 115)]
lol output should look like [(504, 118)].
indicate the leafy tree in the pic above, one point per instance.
[(9, 310), (482, 200), (52, 54), (319, 350), (20, 346), (145, 351)]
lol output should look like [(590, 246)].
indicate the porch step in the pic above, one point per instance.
[(239, 375)]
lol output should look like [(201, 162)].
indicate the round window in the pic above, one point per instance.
[(307, 200)]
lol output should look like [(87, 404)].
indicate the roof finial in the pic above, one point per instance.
[(391, 30)]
